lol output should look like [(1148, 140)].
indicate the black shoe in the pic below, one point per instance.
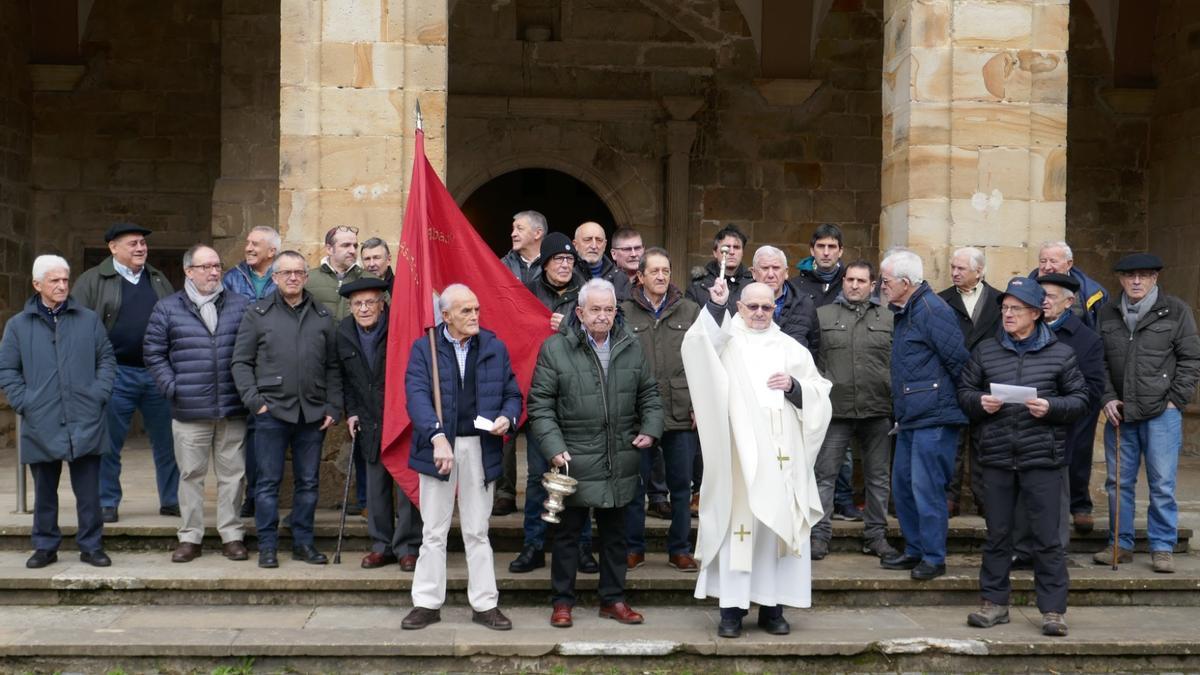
[(587, 562), (309, 554), (247, 509), (529, 560), (775, 625), (108, 514), (267, 558), (41, 558), (169, 510), (926, 572), (97, 558), (900, 562), (819, 549), (1020, 562), (730, 628)]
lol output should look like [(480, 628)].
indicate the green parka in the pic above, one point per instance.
[(856, 356), (574, 408), (323, 285), (662, 343)]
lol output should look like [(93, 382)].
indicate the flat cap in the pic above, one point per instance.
[(363, 284), (1064, 280), (1138, 261), (119, 229), (1024, 289)]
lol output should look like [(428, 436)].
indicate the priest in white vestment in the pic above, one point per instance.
[(762, 409)]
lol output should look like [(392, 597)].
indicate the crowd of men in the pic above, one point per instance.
[(771, 383)]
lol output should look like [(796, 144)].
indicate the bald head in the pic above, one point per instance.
[(757, 305), (590, 242)]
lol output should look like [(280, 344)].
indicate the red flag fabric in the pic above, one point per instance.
[(439, 247)]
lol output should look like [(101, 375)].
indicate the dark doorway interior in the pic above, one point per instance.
[(564, 200)]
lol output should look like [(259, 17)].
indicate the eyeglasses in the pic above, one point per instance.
[(755, 307), (364, 304), (291, 274), (211, 267), (562, 260), (1013, 309), (628, 249)]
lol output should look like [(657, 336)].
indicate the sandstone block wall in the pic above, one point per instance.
[(16, 232), (139, 137)]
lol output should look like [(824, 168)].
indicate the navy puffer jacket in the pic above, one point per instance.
[(1012, 438), (927, 357), (190, 365)]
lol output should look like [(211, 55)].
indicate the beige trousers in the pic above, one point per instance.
[(195, 443)]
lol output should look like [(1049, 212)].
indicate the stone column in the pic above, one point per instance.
[(974, 130), (680, 137), (351, 74)]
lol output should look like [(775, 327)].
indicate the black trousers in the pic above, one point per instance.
[(85, 483), (608, 543), (1041, 492), (966, 462), (1080, 439)]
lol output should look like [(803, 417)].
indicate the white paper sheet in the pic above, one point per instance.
[(483, 424), (1011, 393)]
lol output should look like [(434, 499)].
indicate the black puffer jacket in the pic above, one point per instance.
[(1012, 438)]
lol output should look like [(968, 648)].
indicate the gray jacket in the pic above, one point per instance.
[(58, 375), (286, 358), (526, 273)]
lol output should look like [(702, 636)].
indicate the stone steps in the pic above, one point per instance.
[(841, 580), (339, 638), (146, 532)]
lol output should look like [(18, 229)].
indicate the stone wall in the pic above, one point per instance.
[(1175, 163), (16, 233), (138, 139), (1108, 163), (599, 99)]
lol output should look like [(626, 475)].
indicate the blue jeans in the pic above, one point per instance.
[(535, 494), (251, 463), (134, 389), (923, 466), (271, 440), (1158, 440), (678, 448)]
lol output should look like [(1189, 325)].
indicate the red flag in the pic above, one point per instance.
[(439, 247)]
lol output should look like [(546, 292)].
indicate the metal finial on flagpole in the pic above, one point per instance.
[(420, 125)]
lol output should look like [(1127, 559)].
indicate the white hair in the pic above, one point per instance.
[(1058, 244), (596, 286), (446, 299), (905, 265), (978, 260), (272, 233), (769, 251), (45, 263)]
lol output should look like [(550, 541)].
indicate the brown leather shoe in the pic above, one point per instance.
[(1083, 522), (375, 560), (683, 562), (185, 552), (235, 550), (420, 617), (621, 612), (635, 560), (408, 563), (561, 618), (660, 510), (493, 618), (504, 506)]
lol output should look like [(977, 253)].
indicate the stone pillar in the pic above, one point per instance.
[(247, 192), (351, 73), (680, 136), (974, 130)]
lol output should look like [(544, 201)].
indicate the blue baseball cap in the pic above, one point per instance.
[(1027, 290)]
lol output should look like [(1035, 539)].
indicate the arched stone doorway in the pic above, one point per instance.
[(565, 200)]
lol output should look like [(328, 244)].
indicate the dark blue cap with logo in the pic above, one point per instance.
[(1024, 289)]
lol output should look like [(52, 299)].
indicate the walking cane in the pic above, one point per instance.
[(337, 553), (1117, 500)]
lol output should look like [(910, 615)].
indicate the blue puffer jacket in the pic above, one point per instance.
[(237, 279), (927, 357), (497, 395), (190, 365)]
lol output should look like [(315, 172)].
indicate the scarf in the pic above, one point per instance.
[(207, 304), (597, 268), (1133, 313), (829, 276)]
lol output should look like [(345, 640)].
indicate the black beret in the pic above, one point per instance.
[(555, 243), (119, 229), (1138, 261), (363, 284), (1064, 280)]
